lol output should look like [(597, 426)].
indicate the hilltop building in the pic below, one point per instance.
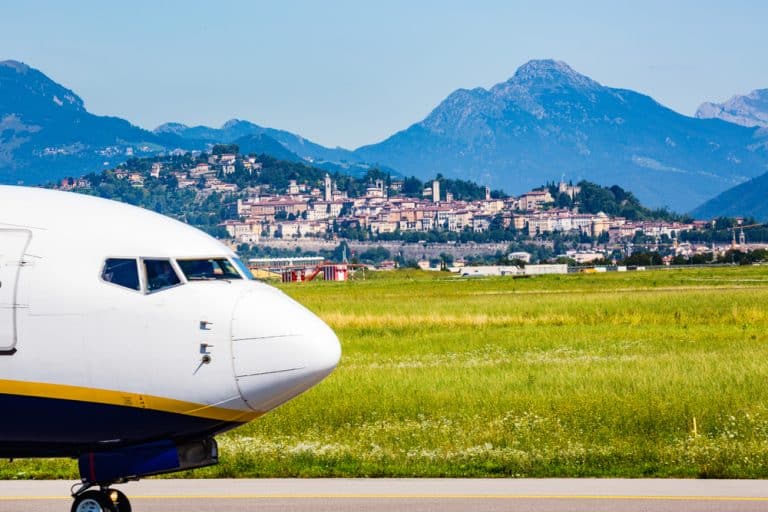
[(328, 197)]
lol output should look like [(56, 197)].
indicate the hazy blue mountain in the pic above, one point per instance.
[(747, 110), (46, 132), (235, 129), (549, 121), (281, 144), (750, 199), (264, 144), (545, 122)]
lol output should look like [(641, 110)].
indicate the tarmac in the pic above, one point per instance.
[(374, 495)]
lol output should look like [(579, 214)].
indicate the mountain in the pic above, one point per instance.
[(549, 121), (264, 144), (750, 199), (46, 131), (545, 122), (748, 110), (235, 129), (281, 144)]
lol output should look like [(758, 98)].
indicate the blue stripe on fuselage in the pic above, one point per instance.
[(50, 427)]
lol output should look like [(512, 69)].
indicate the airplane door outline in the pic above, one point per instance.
[(13, 245)]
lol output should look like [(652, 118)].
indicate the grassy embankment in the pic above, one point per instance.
[(660, 373)]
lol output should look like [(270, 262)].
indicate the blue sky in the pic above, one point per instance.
[(350, 73)]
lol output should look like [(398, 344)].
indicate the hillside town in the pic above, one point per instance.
[(303, 212), (306, 210)]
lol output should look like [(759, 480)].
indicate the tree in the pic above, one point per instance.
[(221, 149), (373, 174), (412, 186), (644, 259), (375, 255), (341, 251), (616, 201)]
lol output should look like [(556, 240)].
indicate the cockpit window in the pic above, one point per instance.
[(160, 274), (243, 268), (208, 269), (122, 272)]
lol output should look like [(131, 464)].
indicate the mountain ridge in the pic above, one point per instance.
[(749, 199), (234, 129), (544, 122), (746, 110), (46, 131), (548, 120)]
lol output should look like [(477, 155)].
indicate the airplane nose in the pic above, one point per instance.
[(280, 348)]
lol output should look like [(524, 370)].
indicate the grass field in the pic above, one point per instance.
[(659, 373)]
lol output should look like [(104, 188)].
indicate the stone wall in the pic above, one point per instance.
[(409, 251)]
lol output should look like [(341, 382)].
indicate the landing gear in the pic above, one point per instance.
[(102, 469), (103, 500)]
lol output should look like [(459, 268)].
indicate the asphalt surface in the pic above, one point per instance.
[(374, 495)]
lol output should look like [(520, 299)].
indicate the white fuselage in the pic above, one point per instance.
[(222, 351)]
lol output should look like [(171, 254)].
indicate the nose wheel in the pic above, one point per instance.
[(103, 500)]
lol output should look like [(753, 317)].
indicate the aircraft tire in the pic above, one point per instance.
[(122, 503), (94, 501)]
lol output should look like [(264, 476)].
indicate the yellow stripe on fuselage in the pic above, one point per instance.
[(124, 399)]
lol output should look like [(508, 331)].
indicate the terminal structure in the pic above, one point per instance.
[(299, 269)]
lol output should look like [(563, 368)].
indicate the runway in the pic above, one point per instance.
[(422, 495)]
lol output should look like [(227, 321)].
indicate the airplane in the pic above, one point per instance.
[(129, 340)]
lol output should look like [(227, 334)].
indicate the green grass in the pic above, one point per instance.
[(579, 375)]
